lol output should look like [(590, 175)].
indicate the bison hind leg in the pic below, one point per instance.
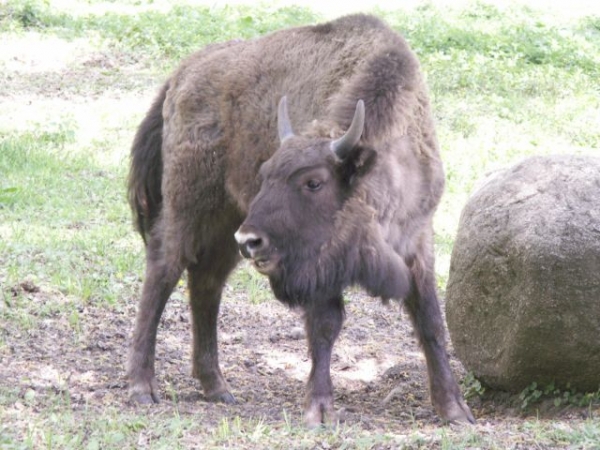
[(206, 278), (162, 274)]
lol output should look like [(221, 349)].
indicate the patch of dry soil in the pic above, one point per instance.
[(263, 355)]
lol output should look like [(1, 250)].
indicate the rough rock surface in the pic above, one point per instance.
[(523, 296)]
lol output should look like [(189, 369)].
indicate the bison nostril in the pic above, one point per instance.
[(254, 244), (250, 243)]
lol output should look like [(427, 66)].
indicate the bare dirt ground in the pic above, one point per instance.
[(263, 356)]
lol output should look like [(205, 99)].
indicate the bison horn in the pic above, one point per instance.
[(342, 146), (284, 125)]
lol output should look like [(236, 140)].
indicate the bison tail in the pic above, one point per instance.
[(145, 174)]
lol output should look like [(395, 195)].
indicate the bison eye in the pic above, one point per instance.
[(313, 185)]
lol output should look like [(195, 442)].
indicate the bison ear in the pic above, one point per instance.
[(359, 162)]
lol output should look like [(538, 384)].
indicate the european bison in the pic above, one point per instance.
[(346, 199)]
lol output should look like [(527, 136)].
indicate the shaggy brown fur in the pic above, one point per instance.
[(322, 222)]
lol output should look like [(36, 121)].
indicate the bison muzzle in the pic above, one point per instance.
[(339, 190)]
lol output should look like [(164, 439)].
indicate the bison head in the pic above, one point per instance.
[(302, 230)]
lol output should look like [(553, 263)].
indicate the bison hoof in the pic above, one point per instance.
[(223, 397), (144, 394), (457, 412), (144, 399), (320, 412)]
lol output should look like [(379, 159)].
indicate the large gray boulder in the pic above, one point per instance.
[(523, 296)]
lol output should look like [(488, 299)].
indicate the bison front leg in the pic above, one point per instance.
[(323, 325), (423, 306)]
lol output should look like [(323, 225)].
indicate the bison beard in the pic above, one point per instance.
[(303, 279), (347, 200)]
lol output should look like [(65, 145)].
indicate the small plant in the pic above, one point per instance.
[(224, 429), (25, 13), (571, 397), (534, 393), (254, 285), (472, 387), (530, 395), (7, 195)]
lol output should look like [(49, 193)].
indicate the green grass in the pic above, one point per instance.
[(171, 35), (249, 281), (117, 430), (62, 428), (505, 83), (67, 222)]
